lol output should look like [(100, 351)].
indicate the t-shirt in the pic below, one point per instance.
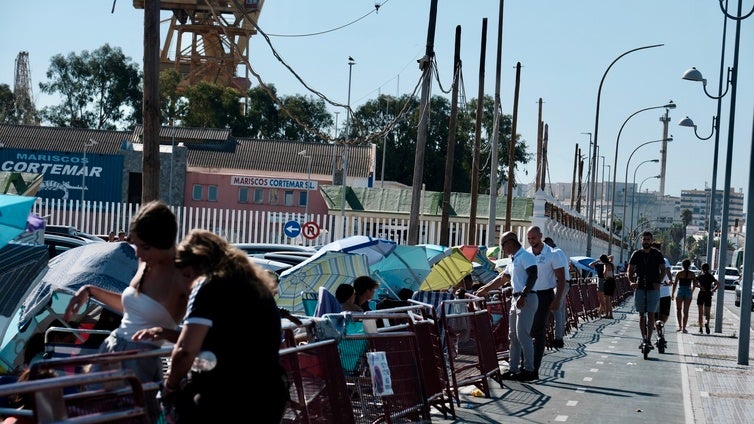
[(547, 262), (520, 262), (647, 265)]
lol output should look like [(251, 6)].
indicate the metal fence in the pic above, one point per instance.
[(253, 226)]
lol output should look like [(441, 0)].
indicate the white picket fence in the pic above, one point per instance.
[(252, 226)]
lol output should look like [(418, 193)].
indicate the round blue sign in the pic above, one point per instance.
[(292, 229)]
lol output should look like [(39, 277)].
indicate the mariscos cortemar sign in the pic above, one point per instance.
[(265, 182)]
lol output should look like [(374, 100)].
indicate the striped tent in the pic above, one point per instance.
[(327, 269)]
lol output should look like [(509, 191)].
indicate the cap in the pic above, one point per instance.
[(508, 236)]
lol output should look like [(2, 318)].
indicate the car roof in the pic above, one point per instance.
[(274, 266), (59, 243), (261, 248), (68, 230)]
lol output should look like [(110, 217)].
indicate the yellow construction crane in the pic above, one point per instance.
[(208, 40)]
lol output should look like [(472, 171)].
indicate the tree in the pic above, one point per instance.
[(686, 217), (213, 106), (7, 105), (262, 114), (100, 89), (307, 110)]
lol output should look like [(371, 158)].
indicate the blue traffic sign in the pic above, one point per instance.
[(292, 229)]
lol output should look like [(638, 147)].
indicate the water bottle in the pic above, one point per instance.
[(204, 361)]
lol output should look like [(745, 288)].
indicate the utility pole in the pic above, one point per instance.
[(425, 64), (665, 119), (494, 161), (477, 136), (449, 157), (150, 183), (512, 151)]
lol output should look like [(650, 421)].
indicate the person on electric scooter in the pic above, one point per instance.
[(646, 268)]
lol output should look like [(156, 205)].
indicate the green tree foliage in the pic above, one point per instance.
[(262, 114), (400, 141), (100, 89), (172, 104), (7, 105), (212, 106), (307, 110)]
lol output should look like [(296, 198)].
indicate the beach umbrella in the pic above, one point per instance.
[(375, 249), (326, 268), (406, 267), (582, 264), (484, 268), (14, 212), (447, 270), (110, 266)]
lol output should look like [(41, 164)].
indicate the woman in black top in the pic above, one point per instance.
[(707, 285)]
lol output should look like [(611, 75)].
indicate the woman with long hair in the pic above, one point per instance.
[(686, 281), (230, 302)]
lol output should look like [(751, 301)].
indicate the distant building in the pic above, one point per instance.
[(698, 202)]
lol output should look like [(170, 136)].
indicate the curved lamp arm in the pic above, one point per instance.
[(694, 74), (687, 122), (735, 18)]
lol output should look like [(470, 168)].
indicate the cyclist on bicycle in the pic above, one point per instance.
[(645, 270)]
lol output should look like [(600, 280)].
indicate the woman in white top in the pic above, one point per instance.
[(156, 297)]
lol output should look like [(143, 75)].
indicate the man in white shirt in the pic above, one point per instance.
[(550, 276), (521, 274), (560, 313)]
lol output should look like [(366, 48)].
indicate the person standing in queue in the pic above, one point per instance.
[(550, 280), (521, 273), (560, 313), (646, 268), (230, 300)]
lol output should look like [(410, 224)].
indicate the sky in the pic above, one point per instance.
[(564, 49)]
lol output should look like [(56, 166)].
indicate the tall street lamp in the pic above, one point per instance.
[(308, 180), (351, 62), (640, 186), (625, 194), (694, 75), (85, 169), (669, 105), (590, 209), (633, 191)]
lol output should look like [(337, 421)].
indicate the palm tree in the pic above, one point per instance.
[(686, 216)]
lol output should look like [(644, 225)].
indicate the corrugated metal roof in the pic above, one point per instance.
[(32, 137), (188, 135), (398, 201), (276, 155)]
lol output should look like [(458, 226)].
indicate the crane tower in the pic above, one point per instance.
[(26, 113), (208, 40)]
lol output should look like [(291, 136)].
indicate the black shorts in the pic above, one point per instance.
[(665, 306), (704, 299), (609, 287)]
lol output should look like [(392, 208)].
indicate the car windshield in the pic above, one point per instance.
[(731, 272)]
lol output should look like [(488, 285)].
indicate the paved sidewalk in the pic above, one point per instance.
[(601, 375)]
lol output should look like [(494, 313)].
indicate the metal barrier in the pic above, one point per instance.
[(49, 402), (317, 385)]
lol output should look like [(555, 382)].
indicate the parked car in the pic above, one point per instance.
[(58, 243), (274, 266), (738, 296), (731, 277), (674, 270), (260, 249), (68, 230)]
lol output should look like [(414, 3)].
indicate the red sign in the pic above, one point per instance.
[(310, 230)]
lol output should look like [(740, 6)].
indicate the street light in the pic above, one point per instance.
[(85, 169), (669, 105), (625, 194), (590, 210), (694, 75), (308, 180), (633, 191), (351, 62)]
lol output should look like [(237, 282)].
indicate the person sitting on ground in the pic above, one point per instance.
[(346, 296), (365, 287)]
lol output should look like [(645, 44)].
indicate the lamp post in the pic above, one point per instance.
[(669, 105), (590, 210), (605, 194), (633, 191), (602, 191), (625, 194), (694, 75), (85, 170), (351, 62), (308, 180)]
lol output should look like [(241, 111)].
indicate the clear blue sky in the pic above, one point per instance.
[(564, 49)]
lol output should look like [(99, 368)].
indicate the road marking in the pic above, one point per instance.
[(587, 378), (572, 403), (703, 394), (600, 362), (561, 418), (594, 370), (688, 408)]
